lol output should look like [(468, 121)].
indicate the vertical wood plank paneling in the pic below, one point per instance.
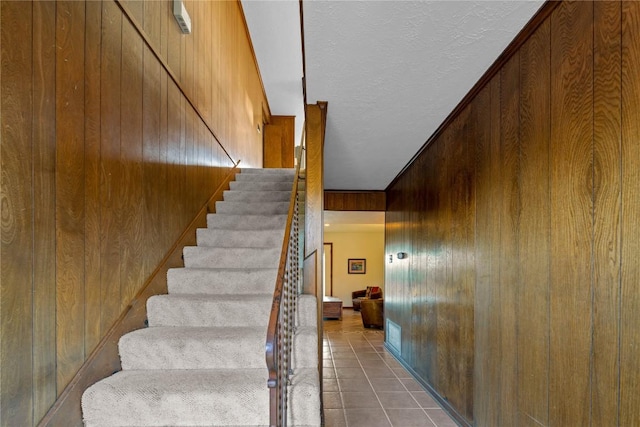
[(419, 277), (510, 207), (151, 137), (16, 252), (163, 172), (556, 283), (131, 161), (44, 160), (442, 291), (630, 290), (533, 243), (70, 190), (494, 225), (430, 304), (607, 210), (571, 213), (110, 180), (92, 259), (80, 166), (482, 360), (461, 297), (467, 293)]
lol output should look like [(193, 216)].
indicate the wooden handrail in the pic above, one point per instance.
[(276, 334)]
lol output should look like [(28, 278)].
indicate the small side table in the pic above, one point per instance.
[(332, 308)]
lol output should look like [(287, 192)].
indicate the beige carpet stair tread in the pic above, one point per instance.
[(179, 398), (193, 348), (256, 196), (221, 281), (250, 208), (209, 310), (246, 222), (211, 237), (208, 257), (260, 186)]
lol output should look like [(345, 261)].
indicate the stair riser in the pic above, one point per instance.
[(220, 282), (257, 196), (239, 238), (260, 186), (269, 171), (190, 351), (218, 313), (246, 222), (252, 208), (263, 177), (203, 257)]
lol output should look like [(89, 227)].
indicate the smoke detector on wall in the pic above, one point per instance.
[(182, 16)]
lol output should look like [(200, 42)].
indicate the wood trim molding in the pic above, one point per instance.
[(105, 360), (341, 200), (543, 13), (253, 53)]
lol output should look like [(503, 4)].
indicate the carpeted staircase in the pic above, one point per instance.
[(201, 361)]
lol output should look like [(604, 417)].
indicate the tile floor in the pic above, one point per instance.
[(365, 386)]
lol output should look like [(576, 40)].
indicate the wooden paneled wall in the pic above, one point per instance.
[(104, 163), (278, 147), (337, 200), (519, 302)]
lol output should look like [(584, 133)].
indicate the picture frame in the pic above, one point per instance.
[(357, 266)]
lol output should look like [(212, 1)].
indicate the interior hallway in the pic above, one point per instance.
[(365, 386)]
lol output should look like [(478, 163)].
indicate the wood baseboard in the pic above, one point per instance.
[(105, 360)]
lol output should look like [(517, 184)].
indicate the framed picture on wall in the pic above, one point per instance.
[(357, 266)]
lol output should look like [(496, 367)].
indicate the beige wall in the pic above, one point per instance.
[(368, 245)]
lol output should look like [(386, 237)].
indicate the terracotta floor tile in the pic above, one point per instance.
[(424, 399), (411, 384), (397, 400), (379, 372), (349, 373), (386, 384), (332, 400), (370, 383), (369, 355), (440, 418), (372, 363), (354, 384), (401, 373), (359, 399), (366, 418), (409, 418), (347, 363), (329, 384), (334, 418)]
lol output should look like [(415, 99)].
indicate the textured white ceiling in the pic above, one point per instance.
[(392, 71), (274, 27)]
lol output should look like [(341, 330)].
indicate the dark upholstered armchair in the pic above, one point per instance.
[(372, 292), (372, 311)]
